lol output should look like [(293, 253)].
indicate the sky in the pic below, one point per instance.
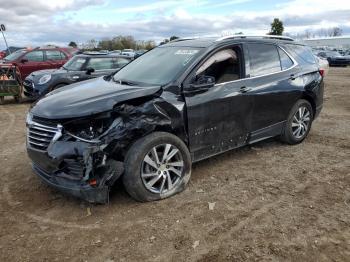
[(40, 22)]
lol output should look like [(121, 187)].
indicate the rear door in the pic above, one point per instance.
[(273, 75), (35, 61), (218, 117)]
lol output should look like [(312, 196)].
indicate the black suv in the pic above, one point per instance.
[(78, 68), (177, 104)]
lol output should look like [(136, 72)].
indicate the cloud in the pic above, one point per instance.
[(45, 22)]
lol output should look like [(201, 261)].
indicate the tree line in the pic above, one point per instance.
[(115, 43)]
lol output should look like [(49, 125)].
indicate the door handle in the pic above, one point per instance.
[(244, 89), (292, 77)]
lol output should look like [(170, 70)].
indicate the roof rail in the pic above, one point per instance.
[(280, 37), (183, 39)]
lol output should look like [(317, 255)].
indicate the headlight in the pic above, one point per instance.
[(29, 118), (88, 130), (44, 79)]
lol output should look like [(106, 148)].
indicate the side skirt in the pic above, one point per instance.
[(266, 132)]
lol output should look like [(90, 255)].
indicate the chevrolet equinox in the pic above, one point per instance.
[(177, 104)]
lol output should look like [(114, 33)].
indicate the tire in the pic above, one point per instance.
[(141, 169), (18, 98), (2, 100), (290, 134)]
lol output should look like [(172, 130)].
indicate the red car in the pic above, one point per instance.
[(2, 54), (29, 61)]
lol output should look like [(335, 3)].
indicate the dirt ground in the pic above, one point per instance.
[(273, 202)]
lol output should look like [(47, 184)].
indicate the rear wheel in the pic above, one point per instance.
[(156, 167), (299, 123)]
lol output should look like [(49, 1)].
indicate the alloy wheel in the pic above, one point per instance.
[(162, 168), (301, 122)]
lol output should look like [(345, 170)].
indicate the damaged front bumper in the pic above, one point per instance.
[(76, 168), (75, 188)]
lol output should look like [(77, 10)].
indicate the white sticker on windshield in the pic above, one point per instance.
[(186, 52), (81, 61)]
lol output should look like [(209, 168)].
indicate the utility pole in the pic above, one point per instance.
[(2, 29)]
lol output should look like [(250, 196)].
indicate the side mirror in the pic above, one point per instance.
[(203, 82), (24, 60), (89, 70)]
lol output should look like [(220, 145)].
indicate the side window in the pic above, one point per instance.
[(54, 55), (286, 62), (223, 66), (100, 63), (304, 52), (36, 56), (121, 62), (264, 59)]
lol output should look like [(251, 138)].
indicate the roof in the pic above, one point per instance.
[(102, 55), (208, 41)]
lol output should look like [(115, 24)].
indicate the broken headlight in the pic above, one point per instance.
[(88, 130)]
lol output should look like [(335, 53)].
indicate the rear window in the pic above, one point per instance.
[(303, 52), (264, 59)]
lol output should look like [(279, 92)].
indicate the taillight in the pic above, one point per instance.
[(321, 72)]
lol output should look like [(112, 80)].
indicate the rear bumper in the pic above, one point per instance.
[(318, 111), (75, 188)]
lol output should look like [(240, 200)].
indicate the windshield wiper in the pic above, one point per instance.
[(125, 82)]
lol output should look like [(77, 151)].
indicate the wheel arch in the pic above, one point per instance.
[(308, 97), (148, 115)]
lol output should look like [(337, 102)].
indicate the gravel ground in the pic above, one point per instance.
[(273, 202)]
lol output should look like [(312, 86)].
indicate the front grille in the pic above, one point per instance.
[(40, 135), (29, 90)]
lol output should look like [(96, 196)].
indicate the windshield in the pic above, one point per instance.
[(75, 64), (14, 55), (158, 66)]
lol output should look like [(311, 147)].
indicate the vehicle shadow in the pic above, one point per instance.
[(200, 169)]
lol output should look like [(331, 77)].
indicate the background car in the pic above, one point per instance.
[(334, 58), (139, 53), (128, 52), (79, 68), (36, 59)]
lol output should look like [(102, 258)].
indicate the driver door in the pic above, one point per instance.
[(218, 114)]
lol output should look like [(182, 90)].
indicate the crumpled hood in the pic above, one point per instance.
[(87, 98)]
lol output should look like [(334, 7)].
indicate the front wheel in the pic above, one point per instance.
[(156, 167), (298, 124)]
